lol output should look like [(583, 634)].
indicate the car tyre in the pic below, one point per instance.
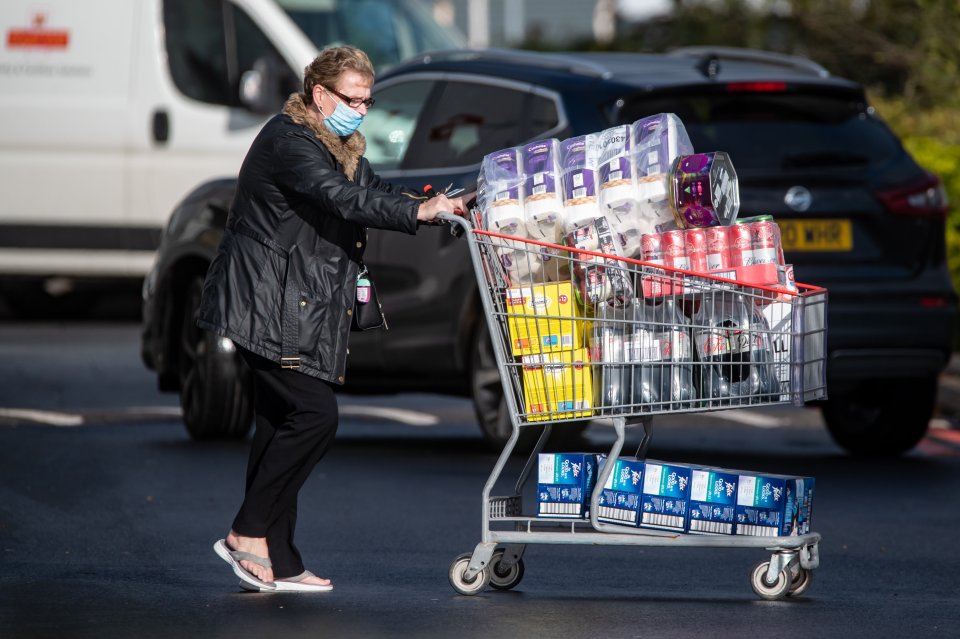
[(881, 418), (215, 384)]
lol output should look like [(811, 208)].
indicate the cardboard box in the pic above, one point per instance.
[(557, 385), (665, 497), (620, 495), (564, 484), (544, 319), (773, 505), (713, 501)]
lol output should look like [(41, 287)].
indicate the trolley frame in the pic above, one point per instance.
[(785, 573)]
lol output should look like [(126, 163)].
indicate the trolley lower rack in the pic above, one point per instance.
[(497, 560)]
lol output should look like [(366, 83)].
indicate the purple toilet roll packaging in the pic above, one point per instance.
[(543, 204), (578, 165), (618, 190), (657, 141)]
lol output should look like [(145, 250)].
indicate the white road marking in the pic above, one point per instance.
[(410, 417), (50, 418), (746, 416)]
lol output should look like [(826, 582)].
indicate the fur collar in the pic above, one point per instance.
[(347, 151)]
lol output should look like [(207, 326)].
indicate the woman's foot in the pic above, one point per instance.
[(255, 546), (304, 582), (313, 580)]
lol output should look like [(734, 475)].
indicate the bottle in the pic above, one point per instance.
[(611, 375), (732, 341), (363, 288), (660, 347)]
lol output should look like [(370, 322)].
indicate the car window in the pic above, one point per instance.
[(785, 131), (472, 119), (387, 30), (211, 43), (388, 126), (196, 49)]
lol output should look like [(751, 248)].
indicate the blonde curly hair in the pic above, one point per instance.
[(327, 68)]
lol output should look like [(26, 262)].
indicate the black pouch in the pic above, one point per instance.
[(367, 312)]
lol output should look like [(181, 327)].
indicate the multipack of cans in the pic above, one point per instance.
[(749, 251)]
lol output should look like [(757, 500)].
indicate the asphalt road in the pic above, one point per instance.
[(108, 513)]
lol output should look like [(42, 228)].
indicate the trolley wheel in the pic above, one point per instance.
[(462, 585), (771, 591), (800, 583), (504, 578)]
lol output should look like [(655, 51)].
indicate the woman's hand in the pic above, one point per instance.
[(439, 204)]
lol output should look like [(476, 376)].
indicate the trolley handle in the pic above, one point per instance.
[(458, 225)]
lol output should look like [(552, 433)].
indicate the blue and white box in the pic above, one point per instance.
[(773, 505), (713, 501), (620, 495), (666, 494), (564, 484)]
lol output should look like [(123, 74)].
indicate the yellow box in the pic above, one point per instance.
[(543, 319), (558, 383)]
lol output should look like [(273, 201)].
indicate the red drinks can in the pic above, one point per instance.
[(766, 242), (674, 249), (740, 244), (696, 246), (651, 249), (718, 249)]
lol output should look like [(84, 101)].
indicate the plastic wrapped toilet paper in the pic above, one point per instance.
[(618, 191), (657, 141), (504, 208), (542, 204), (578, 164)]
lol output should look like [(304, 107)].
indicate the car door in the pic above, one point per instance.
[(435, 129)]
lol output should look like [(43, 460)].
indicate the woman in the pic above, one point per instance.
[(282, 287)]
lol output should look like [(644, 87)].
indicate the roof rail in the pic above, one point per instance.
[(705, 53), (543, 60)]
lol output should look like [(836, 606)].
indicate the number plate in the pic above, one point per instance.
[(816, 235)]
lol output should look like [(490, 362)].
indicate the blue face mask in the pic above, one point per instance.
[(343, 121)]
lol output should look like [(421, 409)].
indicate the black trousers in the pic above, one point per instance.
[(296, 420)]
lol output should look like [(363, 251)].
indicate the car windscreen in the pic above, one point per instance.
[(387, 30), (784, 131)]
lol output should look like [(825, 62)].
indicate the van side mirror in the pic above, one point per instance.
[(260, 88)]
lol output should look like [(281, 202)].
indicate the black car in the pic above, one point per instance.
[(857, 214)]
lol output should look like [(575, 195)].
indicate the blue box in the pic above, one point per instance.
[(620, 495), (773, 505), (666, 495), (564, 484), (713, 501)]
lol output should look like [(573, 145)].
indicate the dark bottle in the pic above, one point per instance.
[(661, 354), (732, 341)]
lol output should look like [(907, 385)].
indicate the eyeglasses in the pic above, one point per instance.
[(353, 103)]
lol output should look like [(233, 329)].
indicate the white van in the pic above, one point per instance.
[(112, 110)]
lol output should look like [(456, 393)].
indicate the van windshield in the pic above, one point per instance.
[(387, 30)]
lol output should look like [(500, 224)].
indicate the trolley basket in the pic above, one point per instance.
[(584, 335)]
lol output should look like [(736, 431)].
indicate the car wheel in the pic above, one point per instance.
[(215, 383), (490, 405), (882, 417)]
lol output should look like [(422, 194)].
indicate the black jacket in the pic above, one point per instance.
[(283, 281)]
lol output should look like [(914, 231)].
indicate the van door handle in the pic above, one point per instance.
[(161, 126)]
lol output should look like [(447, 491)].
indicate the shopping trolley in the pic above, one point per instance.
[(584, 335)]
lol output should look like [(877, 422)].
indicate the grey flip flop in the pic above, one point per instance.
[(291, 584), (234, 557)]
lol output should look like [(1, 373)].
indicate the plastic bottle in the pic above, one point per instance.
[(612, 380), (660, 347), (732, 341)]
